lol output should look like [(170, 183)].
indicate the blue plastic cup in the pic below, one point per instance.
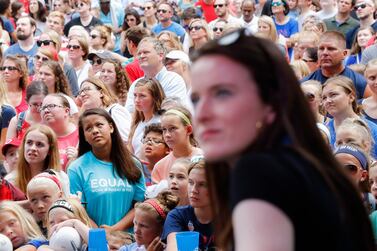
[(187, 241), (97, 240)]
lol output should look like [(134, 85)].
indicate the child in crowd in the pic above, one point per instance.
[(178, 180), (149, 220), (117, 239), (373, 179), (154, 148), (19, 226), (10, 152), (178, 135), (42, 191)]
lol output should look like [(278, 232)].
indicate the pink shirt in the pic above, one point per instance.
[(71, 139), (162, 168)]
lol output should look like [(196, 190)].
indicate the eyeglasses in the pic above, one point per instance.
[(44, 59), (146, 8), (9, 68), (75, 47), (362, 6), (93, 36), (153, 141), (275, 4), (35, 106), (79, 5), (218, 5), (351, 168), (44, 42), (85, 90), (196, 28), (310, 96), (49, 107), (161, 10), (95, 61), (215, 29)]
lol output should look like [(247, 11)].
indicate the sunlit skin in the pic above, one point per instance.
[(41, 198), (373, 181), (178, 182), (146, 227)]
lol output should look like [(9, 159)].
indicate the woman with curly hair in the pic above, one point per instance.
[(39, 13), (52, 74), (170, 41), (113, 75), (15, 75), (100, 38)]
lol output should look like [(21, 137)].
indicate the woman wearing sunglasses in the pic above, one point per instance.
[(15, 76), (268, 133), (356, 163), (199, 34), (339, 100), (78, 50), (100, 38), (313, 90)]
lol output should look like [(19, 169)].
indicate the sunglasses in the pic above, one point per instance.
[(146, 8), (351, 168), (215, 29), (218, 5), (44, 42), (196, 28), (276, 4), (108, 2), (169, 61), (75, 47), (161, 10), (97, 61), (131, 20), (9, 68), (307, 60), (79, 5), (310, 96), (44, 59), (362, 6), (93, 36)]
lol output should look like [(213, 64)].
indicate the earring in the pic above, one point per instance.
[(258, 125)]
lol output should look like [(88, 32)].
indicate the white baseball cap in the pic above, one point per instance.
[(65, 239), (5, 243), (179, 55)]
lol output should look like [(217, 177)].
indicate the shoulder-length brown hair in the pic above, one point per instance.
[(61, 81), (122, 81), (21, 65), (52, 160), (107, 97)]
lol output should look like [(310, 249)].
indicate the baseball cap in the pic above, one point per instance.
[(5, 243), (10, 142), (178, 55), (103, 54), (65, 239)]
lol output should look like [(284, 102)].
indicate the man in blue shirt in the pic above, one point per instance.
[(164, 14), (331, 53), (26, 45)]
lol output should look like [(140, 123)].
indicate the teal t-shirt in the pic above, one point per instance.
[(108, 197)]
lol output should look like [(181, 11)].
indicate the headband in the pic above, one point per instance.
[(51, 177), (359, 155), (63, 204), (179, 114), (157, 207)]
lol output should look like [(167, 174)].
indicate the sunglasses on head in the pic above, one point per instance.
[(161, 10), (218, 5), (146, 8), (97, 61), (196, 28), (360, 6), (9, 68), (75, 47), (44, 59), (44, 42), (215, 29), (276, 4), (351, 168), (93, 36)]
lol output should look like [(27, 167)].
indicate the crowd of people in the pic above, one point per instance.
[(253, 123)]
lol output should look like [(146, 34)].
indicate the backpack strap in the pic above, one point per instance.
[(20, 122)]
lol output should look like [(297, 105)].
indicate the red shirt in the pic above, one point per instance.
[(23, 106), (134, 71), (208, 10)]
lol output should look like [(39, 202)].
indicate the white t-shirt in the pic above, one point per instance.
[(139, 133), (122, 119)]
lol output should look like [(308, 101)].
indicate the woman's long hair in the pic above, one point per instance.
[(121, 158), (279, 88), (61, 81)]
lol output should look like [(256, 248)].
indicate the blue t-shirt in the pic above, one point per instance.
[(7, 113), (288, 29), (367, 117), (180, 218), (358, 80), (350, 36), (16, 49), (174, 27), (373, 130), (109, 197)]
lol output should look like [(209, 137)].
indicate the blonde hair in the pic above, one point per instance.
[(204, 24), (273, 35), (54, 36), (301, 67), (52, 160), (107, 97), (172, 43), (28, 225)]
